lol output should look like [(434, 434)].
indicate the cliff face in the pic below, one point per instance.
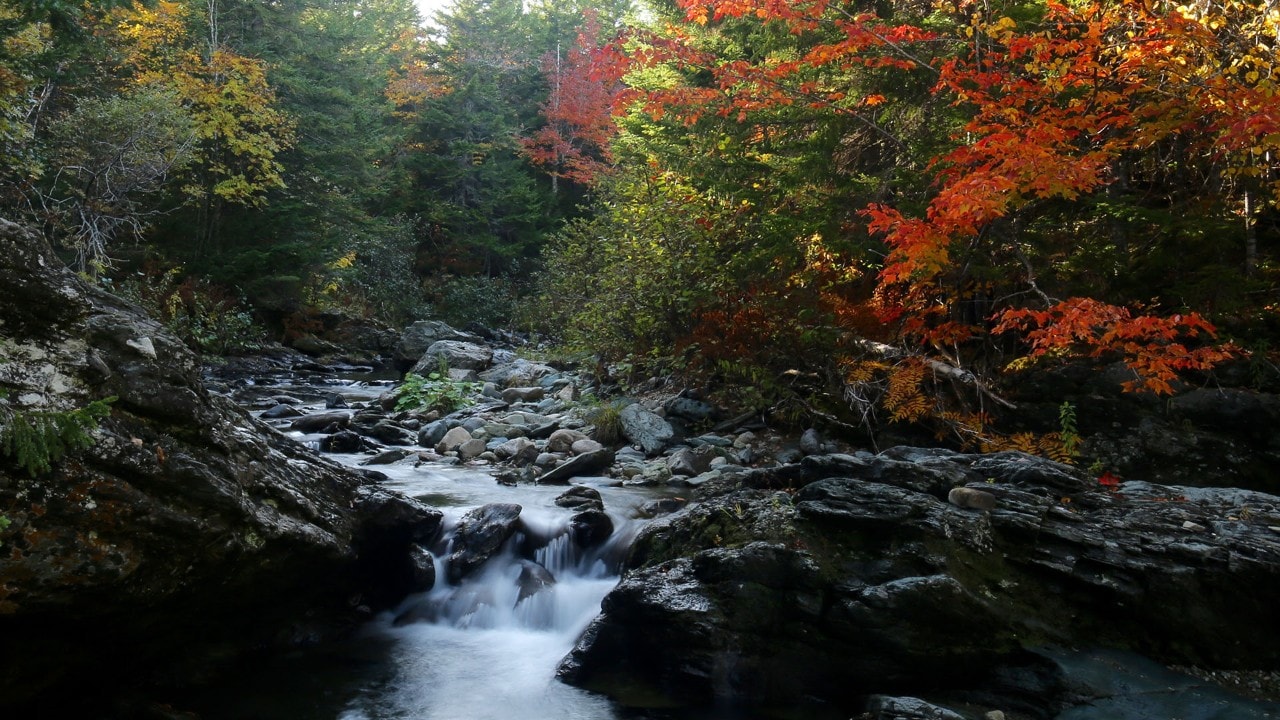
[(188, 532)]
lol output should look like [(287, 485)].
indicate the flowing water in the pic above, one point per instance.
[(484, 649)]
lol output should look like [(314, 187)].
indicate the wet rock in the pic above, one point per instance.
[(386, 457), (481, 533), (645, 428), (391, 433), (868, 578), (533, 579), (580, 465), (334, 401), (345, 441), (318, 422), (662, 506), (885, 707), (280, 412), (422, 569), (580, 497), (590, 528)]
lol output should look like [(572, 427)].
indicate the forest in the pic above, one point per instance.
[(863, 212)]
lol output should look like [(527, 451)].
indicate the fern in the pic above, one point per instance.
[(36, 440)]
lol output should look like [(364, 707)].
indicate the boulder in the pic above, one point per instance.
[(865, 577), (319, 422), (590, 528), (481, 533), (645, 428), (580, 497), (692, 461), (184, 507), (421, 335), (586, 464), (457, 355)]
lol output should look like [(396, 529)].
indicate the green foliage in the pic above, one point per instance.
[(37, 439), (207, 317), (436, 391), (1068, 430), (485, 300)]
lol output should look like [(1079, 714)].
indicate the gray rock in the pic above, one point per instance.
[(457, 355), (691, 461), (590, 528), (432, 433), (386, 457), (585, 464), (580, 497), (344, 441), (885, 707), (523, 394), (520, 451), (453, 439), (318, 422), (585, 445), (533, 579), (481, 533), (391, 434), (811, 442), (280, 412), (645, 428), (472, 448), (421, 335), (562, 441), (689, 409), (183, 507)]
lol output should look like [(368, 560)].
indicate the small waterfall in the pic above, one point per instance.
[(486, 647)]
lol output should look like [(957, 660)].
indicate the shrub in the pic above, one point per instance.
[(436, 391)]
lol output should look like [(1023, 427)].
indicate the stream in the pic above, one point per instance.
[(484, 649)]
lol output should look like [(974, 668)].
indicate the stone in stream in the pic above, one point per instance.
[(580, 465), (386, 457), (432, 433), (344, 441), (580, 497), (280, 412), (533, 579), (590, 528), (318, 422), (419, 336), (480, 533), (561, 441)]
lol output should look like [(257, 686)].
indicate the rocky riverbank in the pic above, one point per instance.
[(186, 535), (806, 574)]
